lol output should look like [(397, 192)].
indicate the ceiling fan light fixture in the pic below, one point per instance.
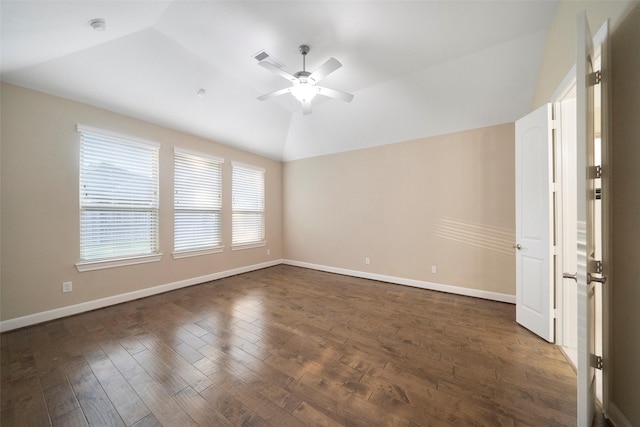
[(304, 91), (304, 87)]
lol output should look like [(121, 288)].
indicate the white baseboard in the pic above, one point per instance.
[(494, 296), (57, 313), (616, 416)]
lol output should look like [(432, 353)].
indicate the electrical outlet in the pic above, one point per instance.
[(434, 270), (268, 251), (367, 260), (67, 287)]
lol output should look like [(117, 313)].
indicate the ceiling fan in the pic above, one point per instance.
[(304, 83)]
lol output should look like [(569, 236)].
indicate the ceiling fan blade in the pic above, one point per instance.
[(336, 94), (325, 69), (279, 71), (274, 94), (306, 107)]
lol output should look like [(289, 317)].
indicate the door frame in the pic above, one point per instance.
[(589, 48), (601, 41)]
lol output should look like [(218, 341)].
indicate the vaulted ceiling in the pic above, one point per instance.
[(416, 68)]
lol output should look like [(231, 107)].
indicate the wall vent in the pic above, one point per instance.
[(264, 56)]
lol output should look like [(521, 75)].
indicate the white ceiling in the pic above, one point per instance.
[(416, 68)]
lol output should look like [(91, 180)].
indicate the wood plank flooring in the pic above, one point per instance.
[(287, 346)]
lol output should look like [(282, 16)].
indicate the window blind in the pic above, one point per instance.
[(248, 204), (197, 202), (118, 196)]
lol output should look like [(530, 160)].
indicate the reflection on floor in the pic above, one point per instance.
[(287, 346)]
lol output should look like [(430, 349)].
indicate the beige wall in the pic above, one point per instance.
[(560, 48), (40, 214), (625, 279), (446, 201)]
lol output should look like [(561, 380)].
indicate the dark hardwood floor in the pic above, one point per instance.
[(287, 346)]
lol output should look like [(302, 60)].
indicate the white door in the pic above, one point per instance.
[(587, 275), (567, 295), (534, 231)]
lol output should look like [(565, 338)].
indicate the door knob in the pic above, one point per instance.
[(570, 276), (517, 246), (601, 279)]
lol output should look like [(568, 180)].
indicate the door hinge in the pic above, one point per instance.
[(596, 172), (597, 362), (595, 78), (597, 266)]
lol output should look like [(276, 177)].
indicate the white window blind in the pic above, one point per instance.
[(248, 204), (118, 196), (197, 202)]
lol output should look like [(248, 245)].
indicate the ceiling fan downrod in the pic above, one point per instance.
[(304, 49)]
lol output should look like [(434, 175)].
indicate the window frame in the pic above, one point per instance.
[(247, 244), (201, 250), (123, 259)]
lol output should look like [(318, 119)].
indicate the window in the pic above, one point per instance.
[(248, 206), (197, 204), (118, 200)]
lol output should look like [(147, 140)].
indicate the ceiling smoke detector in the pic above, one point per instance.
[(98, 24)]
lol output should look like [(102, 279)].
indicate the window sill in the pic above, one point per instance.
[(197, 252), (117, 262), (249, 245)]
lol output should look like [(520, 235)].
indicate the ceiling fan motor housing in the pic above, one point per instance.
[(304, 49)]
